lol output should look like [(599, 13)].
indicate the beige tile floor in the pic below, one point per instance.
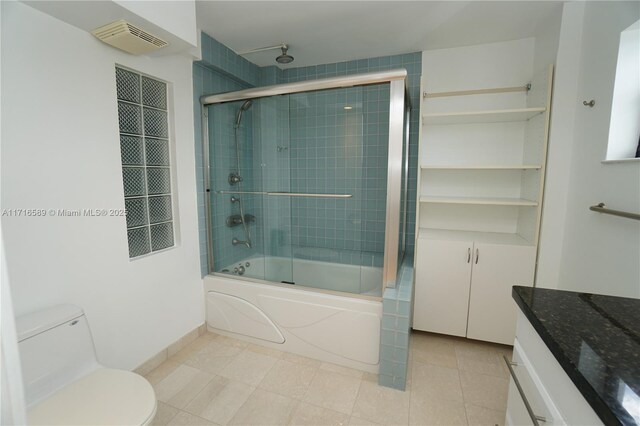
[(218, 381)]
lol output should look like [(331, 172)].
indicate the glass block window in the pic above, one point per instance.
[(146, 172)]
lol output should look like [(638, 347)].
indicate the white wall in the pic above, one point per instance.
[(60, 149), (177, 17), (172, 21), (560, 148), (547, 37), (600, 253)]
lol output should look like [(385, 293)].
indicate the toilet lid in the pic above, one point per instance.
[(104, 397)]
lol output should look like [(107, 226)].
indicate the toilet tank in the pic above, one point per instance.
[(56, 348)]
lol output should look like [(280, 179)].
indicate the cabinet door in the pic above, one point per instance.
[(492, 310), (443, 274)]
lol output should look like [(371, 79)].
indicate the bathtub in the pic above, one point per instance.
[(355, 279), (313, 322)]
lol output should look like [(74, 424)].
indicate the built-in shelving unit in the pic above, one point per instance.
[(482, 156), (496, 201), (489, 116), (483, 173)]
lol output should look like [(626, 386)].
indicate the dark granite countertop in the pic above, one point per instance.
[(596, 340)]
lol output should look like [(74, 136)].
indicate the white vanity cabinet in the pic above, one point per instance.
[(544, 385), (463, 288)]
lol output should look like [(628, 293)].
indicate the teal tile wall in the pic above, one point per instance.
[(223, 158), (276, 230), (221, 71), (225, 61), (327, 157), (394, 337), (376, 127)]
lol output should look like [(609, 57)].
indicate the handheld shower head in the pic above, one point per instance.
[(245, 106), (284, 58)]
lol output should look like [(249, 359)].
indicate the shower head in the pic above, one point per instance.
[(284, 58), (245, 106)]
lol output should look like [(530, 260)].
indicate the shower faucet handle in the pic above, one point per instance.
[(234, 178)]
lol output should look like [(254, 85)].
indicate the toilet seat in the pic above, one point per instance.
[(104, 397)]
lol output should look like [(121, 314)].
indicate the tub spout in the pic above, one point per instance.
[(237, 242)]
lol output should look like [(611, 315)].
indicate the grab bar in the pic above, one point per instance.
[(287, 194), (600, 208)]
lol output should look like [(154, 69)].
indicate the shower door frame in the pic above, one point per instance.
[(399, 105)]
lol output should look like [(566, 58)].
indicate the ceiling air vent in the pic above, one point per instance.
[(126, 36)]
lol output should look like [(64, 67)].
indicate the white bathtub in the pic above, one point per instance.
[(340, 329), (366, 280)]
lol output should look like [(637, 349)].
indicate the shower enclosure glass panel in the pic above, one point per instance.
[(299, 187), (236, 185)]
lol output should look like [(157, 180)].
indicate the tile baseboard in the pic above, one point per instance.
[(170, 350)]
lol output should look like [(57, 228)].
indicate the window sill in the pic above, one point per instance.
[(622, 160), (151, 253)]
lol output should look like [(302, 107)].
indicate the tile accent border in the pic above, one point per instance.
[(394, 337), (153, 362)]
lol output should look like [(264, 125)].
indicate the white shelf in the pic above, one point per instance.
[(481, 237), (489, 116), (480, 167), (622, 160), (495, 201)]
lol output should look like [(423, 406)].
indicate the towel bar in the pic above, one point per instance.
[(600, 208)]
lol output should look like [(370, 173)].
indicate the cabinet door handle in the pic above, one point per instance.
[(469, 255), (534, 418), (477, 256)]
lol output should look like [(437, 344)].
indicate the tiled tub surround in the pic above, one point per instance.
[(223, 71), (208, 80), (394, 337), (218, 381), (223, 161), (376, 132), (343, 151), (303, 143), (596, 341), (219, 71)]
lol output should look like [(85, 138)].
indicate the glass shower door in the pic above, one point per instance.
[(273, 146), (236, 190), (299, 188), (326, 158)]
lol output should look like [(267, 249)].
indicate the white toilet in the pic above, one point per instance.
[(65, 384)]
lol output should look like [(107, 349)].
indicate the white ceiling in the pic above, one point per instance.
[(321, 32)]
